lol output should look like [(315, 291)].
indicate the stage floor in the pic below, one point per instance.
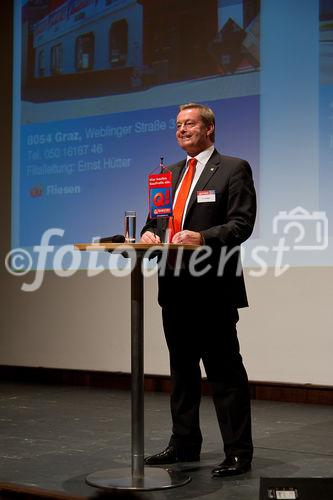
[(52, 437)]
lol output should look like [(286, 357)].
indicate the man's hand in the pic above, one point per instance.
[(187, 238), (150, 238)]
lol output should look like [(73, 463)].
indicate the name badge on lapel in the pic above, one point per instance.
[(206, 196)]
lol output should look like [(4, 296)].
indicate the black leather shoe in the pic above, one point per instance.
[(232, 466), (171, 456)]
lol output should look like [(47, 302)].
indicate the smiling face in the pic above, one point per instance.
[(193, 135)]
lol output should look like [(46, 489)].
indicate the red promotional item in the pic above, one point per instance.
[(160, 195)]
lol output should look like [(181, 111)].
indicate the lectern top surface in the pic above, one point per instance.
[(135, 246)]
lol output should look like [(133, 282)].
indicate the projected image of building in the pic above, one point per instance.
[(86, 48)]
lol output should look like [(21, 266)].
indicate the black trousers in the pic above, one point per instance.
[(207, 331)]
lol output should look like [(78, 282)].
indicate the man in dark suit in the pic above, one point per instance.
[(214, 206)]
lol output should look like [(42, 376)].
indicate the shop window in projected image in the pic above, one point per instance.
[(57, 59), (118, 43), (85, 47), (41, 63)]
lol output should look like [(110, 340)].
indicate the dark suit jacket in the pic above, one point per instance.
[(227, 223)]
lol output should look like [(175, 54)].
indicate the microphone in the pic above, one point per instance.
[(162, 164), (116, 238), (163, 168)]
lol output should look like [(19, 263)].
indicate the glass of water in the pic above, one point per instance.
[(130, 226)]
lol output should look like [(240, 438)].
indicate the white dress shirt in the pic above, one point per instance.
[(202, 159)]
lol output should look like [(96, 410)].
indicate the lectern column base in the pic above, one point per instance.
[(154, 478)]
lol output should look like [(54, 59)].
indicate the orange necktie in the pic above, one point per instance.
[(175, 223)]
